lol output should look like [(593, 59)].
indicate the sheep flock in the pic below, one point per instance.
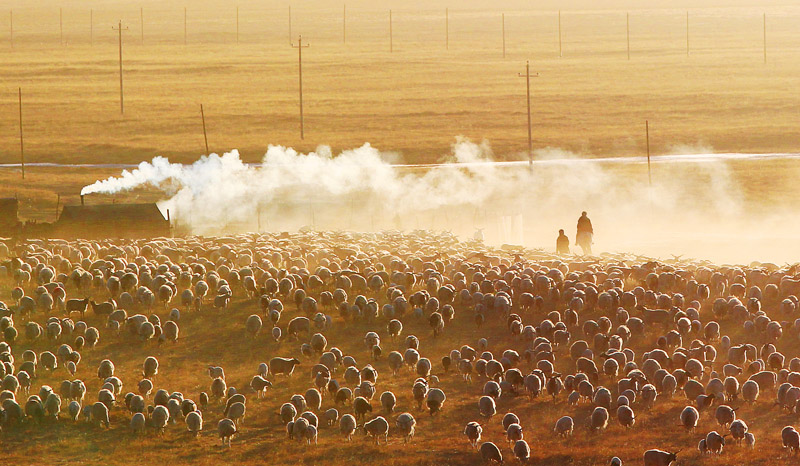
[(391, 348)]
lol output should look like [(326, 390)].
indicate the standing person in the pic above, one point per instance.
[(562, 243), (585, 233)]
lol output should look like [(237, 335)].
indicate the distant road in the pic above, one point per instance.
[(682, 158)]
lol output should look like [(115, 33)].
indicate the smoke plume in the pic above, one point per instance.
[(691, 207)]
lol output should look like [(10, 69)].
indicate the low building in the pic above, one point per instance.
[(9, 212), (99, 221)]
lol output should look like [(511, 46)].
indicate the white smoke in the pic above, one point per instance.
[(695, 210)]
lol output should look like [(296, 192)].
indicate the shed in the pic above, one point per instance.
[(9, 212), (112, 221)]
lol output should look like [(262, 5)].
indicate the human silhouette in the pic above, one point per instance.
[(585, 234), (562, 243)]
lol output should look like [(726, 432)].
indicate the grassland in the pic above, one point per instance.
[(414, 101)]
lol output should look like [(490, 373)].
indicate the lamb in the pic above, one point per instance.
[(490, 453), (347, 426), (659, 458), (377, 428), (283, 366), (330, 416), (227, 429), (406, 424)]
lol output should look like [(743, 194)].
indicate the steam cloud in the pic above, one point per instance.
[(511, 202)]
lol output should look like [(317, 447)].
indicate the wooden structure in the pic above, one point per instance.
[(111, 221)]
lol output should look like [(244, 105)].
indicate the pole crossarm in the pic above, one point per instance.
[(300, 48), (120, 28)]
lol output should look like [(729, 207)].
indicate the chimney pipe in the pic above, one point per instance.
[(81, 199)]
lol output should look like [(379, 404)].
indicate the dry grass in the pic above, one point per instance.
[(413, 101)]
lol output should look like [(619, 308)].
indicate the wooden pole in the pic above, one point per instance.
[(121, 94), (21, 139), (447, 29), (391, 39), (528, 77), (58, 203), (300, 48), (687, 33), (765, 37), (205, 135), (560, 49), (504, 34), (628, 32), (647, 136)]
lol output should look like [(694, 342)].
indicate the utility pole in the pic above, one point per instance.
[(765, 37), (205, 136), (628, 32), (121, 95), (447, 29), (300, 48), (687, 33), (21, 144), (647, 135), (391, 39), (528, 77), (560, 50), (504, 34)]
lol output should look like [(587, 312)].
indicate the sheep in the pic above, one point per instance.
[(236, 412), (74, 410), (99, 414), (486, 406), (377, 428), (435, 400), (388, 401), (137, 423), (347, 426), (626, 416), (218, 388), (750, 440), (330, 416), (253, 326), (406, 424), (473, 431), (150, 367), (159, 418), (659, 458), (738, 429), (564, 426), (490, 453), (361, 406), (283, 366), (105, 369), (725, 415), (288, 412), (750, 391), (715, 442), (689, 418), (226, 429), (514, 433), (522, 451), (260, 385), (615, 461)]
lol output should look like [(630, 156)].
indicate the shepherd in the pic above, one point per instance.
[(585, 234)]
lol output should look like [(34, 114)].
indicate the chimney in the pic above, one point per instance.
[(81, 199)]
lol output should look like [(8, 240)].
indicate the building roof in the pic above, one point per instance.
[(115, 212)]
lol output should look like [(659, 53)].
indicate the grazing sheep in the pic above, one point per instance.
[(522, 451), (689, 418), (159, 418), (388, 401), (347, 426), (626, 416), (99, 414), (487, 407), (659, 458), (226, 429), (490, 453), (406, 425), (377, 428), (283, 366), (137, 423), (260, 385), (330, 416), (715, 442), (564, 426)]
